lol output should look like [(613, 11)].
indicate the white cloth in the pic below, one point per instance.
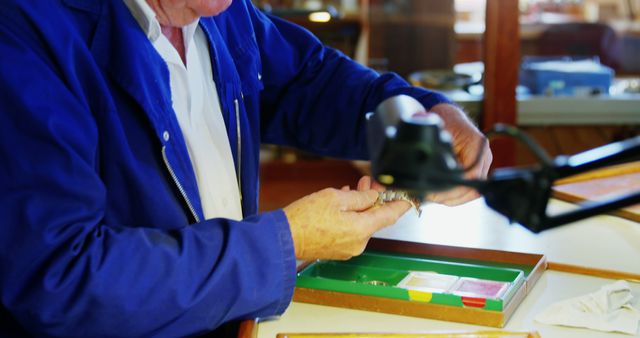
[(608, 309), (197, 107)]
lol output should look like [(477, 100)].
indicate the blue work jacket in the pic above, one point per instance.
[(101, 228)]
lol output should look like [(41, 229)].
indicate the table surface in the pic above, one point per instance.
[(602, 242)]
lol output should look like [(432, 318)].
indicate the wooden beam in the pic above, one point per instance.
[(501, 64), (362, 46)]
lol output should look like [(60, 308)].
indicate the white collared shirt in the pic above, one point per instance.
[(197, 107)]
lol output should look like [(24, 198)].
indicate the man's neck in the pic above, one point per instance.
[(174, 34)]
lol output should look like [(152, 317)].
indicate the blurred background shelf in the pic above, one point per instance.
[(407, 36)]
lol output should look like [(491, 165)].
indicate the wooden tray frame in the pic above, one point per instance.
[(428, 310)]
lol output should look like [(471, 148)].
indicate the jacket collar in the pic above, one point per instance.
[(117, 34), (146, 17), (144, 76)]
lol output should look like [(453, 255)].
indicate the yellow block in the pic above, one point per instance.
[(420, 296)]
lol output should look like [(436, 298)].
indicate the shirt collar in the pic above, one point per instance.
[(146, 17)]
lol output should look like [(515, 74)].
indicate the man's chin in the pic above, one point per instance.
[(214, 7), (191, 14)]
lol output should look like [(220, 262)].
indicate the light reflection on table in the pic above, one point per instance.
[(603, 242)]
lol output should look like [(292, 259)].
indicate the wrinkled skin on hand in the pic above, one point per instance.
[(337, 223), (468, 141)]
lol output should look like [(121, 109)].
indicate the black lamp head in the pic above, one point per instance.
[(409, 148)]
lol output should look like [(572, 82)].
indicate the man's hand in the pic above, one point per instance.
[(467, 142), (337, 223)]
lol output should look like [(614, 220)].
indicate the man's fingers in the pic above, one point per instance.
[(377, 186), (385, 215), (450, 197), (357, 200), (364, 183), (464, 196), (486, 164), (481, 169), (453, 197)]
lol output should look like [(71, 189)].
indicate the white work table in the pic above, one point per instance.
[(602, 242)]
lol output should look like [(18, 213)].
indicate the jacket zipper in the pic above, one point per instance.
[(239, 136), (180, 188)]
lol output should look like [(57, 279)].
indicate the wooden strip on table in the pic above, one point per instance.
[(616, 170), (582, 270)]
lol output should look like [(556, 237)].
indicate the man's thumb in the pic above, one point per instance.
[(358, 200)]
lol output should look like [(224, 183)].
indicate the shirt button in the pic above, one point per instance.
[(259, 76), (165, 135)]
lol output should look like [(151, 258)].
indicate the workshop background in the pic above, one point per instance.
[(457, 47)]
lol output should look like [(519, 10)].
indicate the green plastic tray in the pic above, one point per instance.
[(378, 273)]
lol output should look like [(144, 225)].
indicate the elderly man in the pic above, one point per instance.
[(130, 135)]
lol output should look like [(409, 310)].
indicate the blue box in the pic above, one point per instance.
[(562, 77)]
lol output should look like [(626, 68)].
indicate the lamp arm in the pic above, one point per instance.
[(522, 194)]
